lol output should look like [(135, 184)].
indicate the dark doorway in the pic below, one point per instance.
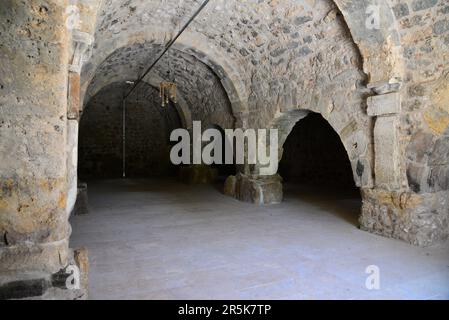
[(224, 170), (316, 168)]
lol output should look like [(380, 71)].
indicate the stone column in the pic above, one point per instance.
[(39, 142), (256, 184), (242, 120), (34, 228), (393, 208)]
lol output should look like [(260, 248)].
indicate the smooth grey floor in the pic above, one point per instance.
[(160, 239)]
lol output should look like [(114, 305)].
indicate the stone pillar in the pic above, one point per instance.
[(39, 146), (260, 190), (391, 209), (81, 44), (34, 228), (242, 119), (388, 164)]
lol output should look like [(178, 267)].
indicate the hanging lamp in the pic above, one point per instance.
[(168, 89)]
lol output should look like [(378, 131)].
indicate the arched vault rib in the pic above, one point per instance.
[(191, 43), (380, 48), (181, 105)]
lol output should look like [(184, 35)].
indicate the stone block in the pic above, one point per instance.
[(260, 190), (23, 258), (387, 153), (401, 10), (386, 104), (74, 84), (72, 164)]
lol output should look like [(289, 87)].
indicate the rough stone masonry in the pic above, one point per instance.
[(241, 64)]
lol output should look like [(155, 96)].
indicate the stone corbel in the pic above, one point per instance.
[(384, 105), (386, 86)]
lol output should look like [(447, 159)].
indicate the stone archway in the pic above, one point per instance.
[(354, 137), (316, 170), (89, 86)]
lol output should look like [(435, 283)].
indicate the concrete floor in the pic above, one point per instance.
[(164, 240)]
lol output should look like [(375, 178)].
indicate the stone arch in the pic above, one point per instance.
[(153, 81), (380, 48), (353, 138), (191, 43), (383, 63)]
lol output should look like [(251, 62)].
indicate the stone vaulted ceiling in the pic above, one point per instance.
[(270, 56)]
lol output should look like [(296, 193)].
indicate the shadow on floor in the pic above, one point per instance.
[(344, 203)]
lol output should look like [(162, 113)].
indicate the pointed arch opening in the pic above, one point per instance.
[(316, 169)]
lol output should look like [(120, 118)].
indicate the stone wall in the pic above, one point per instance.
[(148, 128), (422, 215), (424, 27)]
